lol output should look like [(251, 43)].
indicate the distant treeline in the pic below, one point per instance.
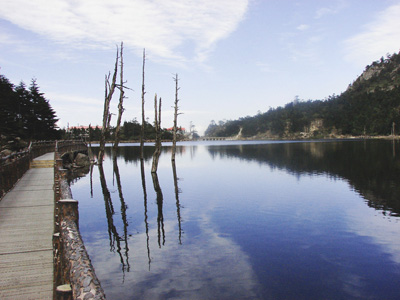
[(130, 130), (25, 112), (370, 106)]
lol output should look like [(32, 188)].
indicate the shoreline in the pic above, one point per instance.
[(259, 138)]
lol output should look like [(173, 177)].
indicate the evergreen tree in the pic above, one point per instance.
[(24, 109), (42, 116), (25, 113), (7, 107)]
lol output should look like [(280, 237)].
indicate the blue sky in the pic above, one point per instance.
[(233, 58)]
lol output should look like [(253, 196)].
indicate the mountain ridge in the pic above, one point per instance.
[(370, 106)]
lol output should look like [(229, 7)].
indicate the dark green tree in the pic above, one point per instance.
[(25, 113), (41, 117), (8, 108)]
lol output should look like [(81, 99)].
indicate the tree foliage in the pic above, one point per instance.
[(25, 112), (369, 106)]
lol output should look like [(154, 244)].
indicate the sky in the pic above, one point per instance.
[(233, 58)]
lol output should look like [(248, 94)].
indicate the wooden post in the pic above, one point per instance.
[(393, 127), (69, 209)]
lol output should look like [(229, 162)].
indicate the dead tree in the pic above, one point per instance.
[(90, 153), (175, 128), (109, 91), (120, 104), (157, 126), (143, 119)]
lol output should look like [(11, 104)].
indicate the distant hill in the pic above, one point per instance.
[(370, 106)]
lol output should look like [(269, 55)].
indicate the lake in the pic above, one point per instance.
[(246, 220)]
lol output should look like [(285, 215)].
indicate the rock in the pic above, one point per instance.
[(67, 159), (82, 160), (16, 144), (5, 152)]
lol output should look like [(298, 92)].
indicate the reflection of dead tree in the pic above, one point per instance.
[(143, 119), (145, 209), (121, 100), (108, 205), (160, 216), (109, 91), (123, 212), (157, 126), (176, 109), (112, 230), (91, 180), (178, 206)]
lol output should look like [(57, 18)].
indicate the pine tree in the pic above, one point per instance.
[(42, 117), (7, 107), (25, 113)]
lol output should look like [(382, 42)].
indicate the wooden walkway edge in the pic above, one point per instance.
[(26, 232)]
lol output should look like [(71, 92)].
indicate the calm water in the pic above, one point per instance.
[(235, 220)]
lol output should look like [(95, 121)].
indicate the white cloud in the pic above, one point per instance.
[(332, 10), (164, 28), (323, 12), (73, 99), (303, 27), (264, 67), (381, 36)]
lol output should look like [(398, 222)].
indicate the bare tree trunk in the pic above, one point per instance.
[(175, 118), (120, 107), (157, 126), (90, 153), (143, 120), (109, 91)]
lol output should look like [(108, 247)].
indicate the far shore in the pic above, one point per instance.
[(294, 138)]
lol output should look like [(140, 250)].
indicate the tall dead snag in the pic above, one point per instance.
[(157, 126), (90, 153), (109, 91), (143, 120), (121, 100), (175, 117)]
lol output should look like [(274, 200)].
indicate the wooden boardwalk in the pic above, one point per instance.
[(26, 231)]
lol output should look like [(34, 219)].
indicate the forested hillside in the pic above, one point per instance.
[(370, 106)]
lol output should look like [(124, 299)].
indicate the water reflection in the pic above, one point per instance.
[(124, 207), (260, 223), (178, 205), (91, 180), (114, 237), (160, 216), (131, 153), (143, 176), (370, 167)]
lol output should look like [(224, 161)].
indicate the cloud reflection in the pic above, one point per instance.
[(208, 267)]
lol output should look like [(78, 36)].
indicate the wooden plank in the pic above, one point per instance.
[(26, 229)]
